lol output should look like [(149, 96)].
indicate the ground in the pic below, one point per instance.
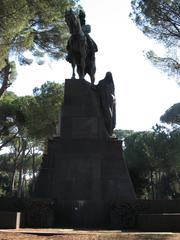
[(59, 234)]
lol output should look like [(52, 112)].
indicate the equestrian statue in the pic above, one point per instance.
[(81, 48)]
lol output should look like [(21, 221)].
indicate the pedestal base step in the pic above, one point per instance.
[(166, 222)]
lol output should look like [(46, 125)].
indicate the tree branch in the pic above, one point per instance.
[(7, 141)]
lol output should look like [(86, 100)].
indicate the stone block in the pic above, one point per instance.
[(10, 220), (166, 222)]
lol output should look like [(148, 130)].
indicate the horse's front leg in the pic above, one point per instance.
[(92, 79), (82, 67), (73, 70), (92, 72), (80, 70), (82, 61)]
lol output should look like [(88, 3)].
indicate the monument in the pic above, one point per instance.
[(84, 170)]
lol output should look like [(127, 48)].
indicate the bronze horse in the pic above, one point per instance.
[(80, 48)]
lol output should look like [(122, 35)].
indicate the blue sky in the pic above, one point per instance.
[(142, 92)]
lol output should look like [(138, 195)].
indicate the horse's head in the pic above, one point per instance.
[(73, 22)]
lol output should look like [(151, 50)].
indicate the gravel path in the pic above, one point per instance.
[(59, 234)]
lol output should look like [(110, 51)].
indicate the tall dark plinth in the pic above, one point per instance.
[(84, 170)]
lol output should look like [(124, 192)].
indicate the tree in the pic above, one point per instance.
[(5, 169), (25, 154), (160, 20), (37, 26), (25, 124), (37, 115), (11, 119), (121, 134), (42, 110), (133, 156), (19, 166), (7, 76), (153, 160), (172, 115)]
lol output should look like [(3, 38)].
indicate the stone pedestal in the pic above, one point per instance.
[(84, 170), (82, 117)]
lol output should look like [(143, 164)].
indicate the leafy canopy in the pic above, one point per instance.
[(153, 160), (34, 117), (160, 20), (41, 110), (36, 26), (172, 115), (25, 124)]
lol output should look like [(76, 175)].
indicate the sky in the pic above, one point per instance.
[(143, 93)]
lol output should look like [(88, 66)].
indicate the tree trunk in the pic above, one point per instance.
[(12, 188), (19, 190), (152, 185), (156, 185), (6, 73), (33, 169)]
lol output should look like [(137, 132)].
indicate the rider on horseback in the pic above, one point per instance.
[(91, 47), (82, 54)]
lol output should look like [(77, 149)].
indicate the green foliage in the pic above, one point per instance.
[(17, 168), (31, 25), (7, 76), (37, 26), (5, 169), (11, 119), (168, 64), (25, 124), (42, 111), (172, 115), (36, 116), (153, 160), (160, 20), (121, 134)]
